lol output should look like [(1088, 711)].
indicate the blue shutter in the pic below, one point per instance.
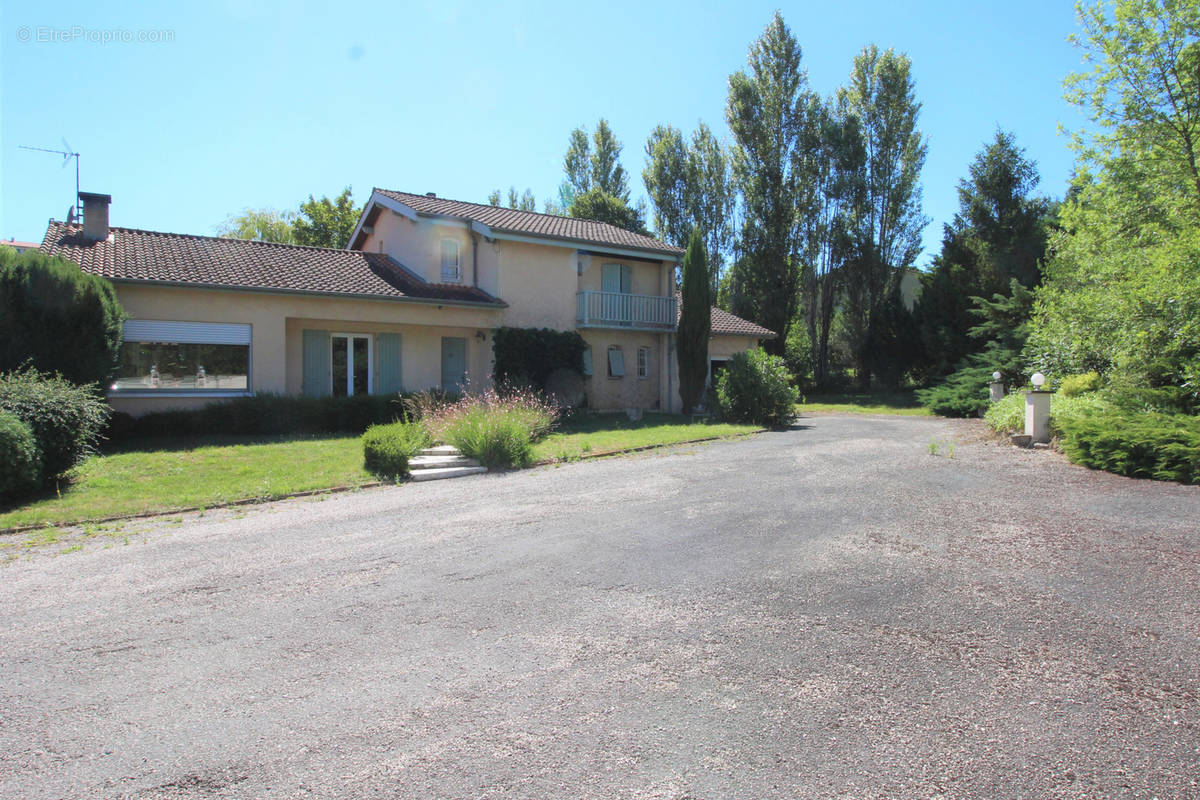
[(387, 370), (317, 380)]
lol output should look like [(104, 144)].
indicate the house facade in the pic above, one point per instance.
[(411, 304)]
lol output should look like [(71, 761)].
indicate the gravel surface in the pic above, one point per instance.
[(827, 612)]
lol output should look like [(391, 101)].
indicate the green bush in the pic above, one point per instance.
[(66, 419), (1074, 385), (57, 318), (496, 430), (963, 394), (527, 356), (1139, 445), (1008, 415), (388, 448), (264, 414), (20, 457), (755, 387)]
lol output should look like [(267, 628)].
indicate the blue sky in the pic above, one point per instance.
[(260, 104)]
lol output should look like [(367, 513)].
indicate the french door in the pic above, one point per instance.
[(351, 361)]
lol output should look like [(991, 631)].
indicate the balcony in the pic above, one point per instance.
[(643, 312)]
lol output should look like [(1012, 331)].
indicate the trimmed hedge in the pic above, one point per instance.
[(1164, 447), (388, 448), (57, 318), (756, 387), (264, 414), (20, 457), (66, 419), (528, 355)]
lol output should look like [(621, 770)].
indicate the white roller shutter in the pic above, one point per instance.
[(144, 330)]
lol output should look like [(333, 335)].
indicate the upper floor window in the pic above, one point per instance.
[(616, 278), (451, 269)]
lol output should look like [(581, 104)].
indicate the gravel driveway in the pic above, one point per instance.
[(824, 612)]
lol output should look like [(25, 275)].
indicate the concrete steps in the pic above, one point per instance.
[(443, 461)]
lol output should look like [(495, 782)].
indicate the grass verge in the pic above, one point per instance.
[(901, 403), (597, 434), (164, 476), (168, 476)]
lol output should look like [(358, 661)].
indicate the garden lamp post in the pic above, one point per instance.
[(996, 388), (1037, 410)]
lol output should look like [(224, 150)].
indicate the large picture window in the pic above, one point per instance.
[(184, 357)]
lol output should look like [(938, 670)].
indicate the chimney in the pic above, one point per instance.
[(95, 215)]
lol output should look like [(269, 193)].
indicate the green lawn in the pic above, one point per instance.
[(167, 476), (605, 433), (882, 403), (160, 476)]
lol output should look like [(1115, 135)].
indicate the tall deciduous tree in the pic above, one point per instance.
[(882, 96), (325, 222), (259, 224), (1143, 90), (768, 108), (520, 202), (597, 186), (690, 186), (695, 323)]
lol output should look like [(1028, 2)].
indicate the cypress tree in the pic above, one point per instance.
[(695, 323)]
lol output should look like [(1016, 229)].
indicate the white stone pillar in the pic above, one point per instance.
[(996, 388), (1037, 411)]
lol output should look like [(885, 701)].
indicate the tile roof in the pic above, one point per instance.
[(722, 323), (531, 223), (176, 258)]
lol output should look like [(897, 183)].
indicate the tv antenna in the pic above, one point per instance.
[(67, 153)]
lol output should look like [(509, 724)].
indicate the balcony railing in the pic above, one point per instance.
[(620, 310)]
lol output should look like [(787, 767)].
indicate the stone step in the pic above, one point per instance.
[(445, 472), (433, 462), (440, 450)]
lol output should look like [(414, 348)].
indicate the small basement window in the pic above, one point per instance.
[(451, 270), (192, 357), (616, 362)]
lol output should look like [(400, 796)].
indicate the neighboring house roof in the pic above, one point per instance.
[(20, 246), (726, 324), (531, 223), (722, 323), (130, 254)]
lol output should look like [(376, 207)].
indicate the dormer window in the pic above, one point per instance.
[(451, 269)]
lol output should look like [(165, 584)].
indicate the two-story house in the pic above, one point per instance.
[(411, 304)]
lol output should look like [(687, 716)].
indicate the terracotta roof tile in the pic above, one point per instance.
[(137, 255), (531, 223), (722, 323)]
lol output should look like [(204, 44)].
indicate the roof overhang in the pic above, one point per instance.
[(495, 305), (379, 200)]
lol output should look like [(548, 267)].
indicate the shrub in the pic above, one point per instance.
[(264, 414), (498, 430), (1008, 415), (58, 318), (1074, 385), (388, 448), (66, 419), (755, 387), (963, 394), (1139, 445), (20, 457), (528, 355)]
